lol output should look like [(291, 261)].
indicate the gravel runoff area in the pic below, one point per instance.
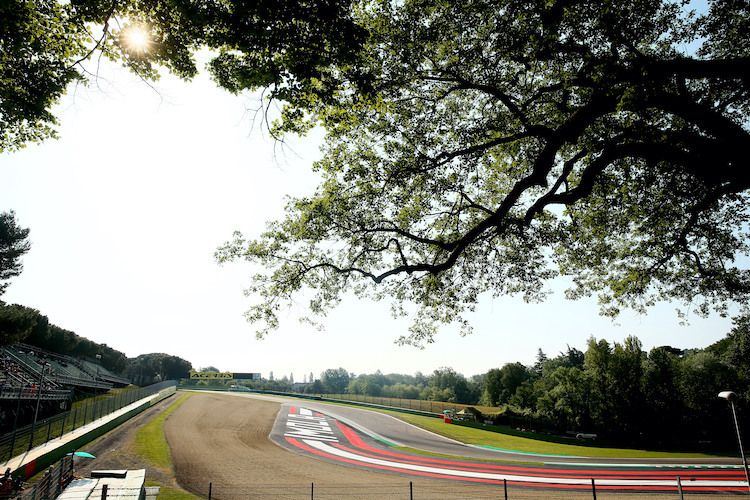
[(221, 442)]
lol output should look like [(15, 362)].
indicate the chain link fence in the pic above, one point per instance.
[(35, 434)]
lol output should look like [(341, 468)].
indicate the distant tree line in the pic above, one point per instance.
[(156, 367), (23, 324), (665, 397)]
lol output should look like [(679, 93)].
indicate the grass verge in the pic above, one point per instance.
[(510, 442), (172, 494), (152, 446)]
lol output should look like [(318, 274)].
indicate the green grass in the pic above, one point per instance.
[(171, 494), (511, 442), (150, 442)]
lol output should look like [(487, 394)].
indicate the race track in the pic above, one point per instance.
[(320, 434), (224, 439)]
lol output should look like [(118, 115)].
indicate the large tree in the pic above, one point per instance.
[(471, 146), (150, 367), (48, 45), (14, 244), (335, 380), (18, 322), (504, 143)]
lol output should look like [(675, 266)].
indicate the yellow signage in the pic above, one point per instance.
[(211, 376)]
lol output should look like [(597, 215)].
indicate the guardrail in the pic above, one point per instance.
[(420, 406), (22, 438)]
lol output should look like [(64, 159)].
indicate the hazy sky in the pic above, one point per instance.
[(128, 207)]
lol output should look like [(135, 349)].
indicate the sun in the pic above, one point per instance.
[(135, 38)]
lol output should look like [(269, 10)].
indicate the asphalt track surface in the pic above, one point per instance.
[(365, 439)]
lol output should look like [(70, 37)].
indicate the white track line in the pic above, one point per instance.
[(325, 448)]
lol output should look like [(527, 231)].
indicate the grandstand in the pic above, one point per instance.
[(31, 375)]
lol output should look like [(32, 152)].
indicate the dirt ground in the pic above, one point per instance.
[(114, 450), (221, 442)]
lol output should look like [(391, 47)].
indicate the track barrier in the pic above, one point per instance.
[(411, 491)]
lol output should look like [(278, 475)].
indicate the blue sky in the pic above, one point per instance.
[(128, 207)]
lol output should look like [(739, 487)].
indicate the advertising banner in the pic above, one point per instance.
[(211, 375)]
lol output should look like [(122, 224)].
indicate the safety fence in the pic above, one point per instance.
[(419, 405), (436, 490), (25, 438)]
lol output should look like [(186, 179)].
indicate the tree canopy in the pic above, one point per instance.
[(47, 45), (502, 144), (23, 324), (472, 147), (335, 380), (14, 244), (152, 367)]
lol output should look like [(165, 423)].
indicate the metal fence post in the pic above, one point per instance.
[(15, 426), (209, 490), (593, 487), (62, 427), (45, 483), (679, 486), (505, 488), (59, 482), (312, 491)]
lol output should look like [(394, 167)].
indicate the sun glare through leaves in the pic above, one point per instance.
[(135, 39)]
